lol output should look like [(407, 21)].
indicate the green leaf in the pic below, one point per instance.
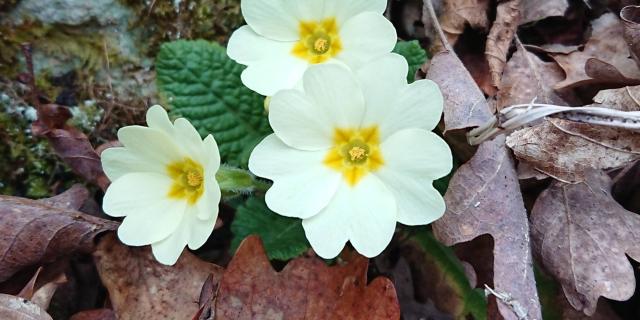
[(202, 84), (415, 55), (441, 259), (283, 237)]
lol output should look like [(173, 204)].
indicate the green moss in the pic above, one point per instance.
[(65, 47), (27, 167), (191, 19)]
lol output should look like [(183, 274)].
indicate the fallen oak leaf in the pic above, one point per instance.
[(623, 99), (524, 69), (565, 149), (484, 198), (38, 232), (305, 289), (604, 60), (581, 235), (457, 14), (538, 10), (16, 308), (464, 104), (141, 288), (500, 38)]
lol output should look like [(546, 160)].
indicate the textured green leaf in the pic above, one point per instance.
[(441, 259), (283, 237), (415, 55), (202, 84)]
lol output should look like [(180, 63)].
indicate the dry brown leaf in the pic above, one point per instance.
[(581, 235), (305, 289), (604, 60), (484, 198), (456, 14), (15, 308), (631, 17), (464, 104), (534, 10), (69, 143), (624, 99), (37, 232), (141, 288), (565, 149), (97, 314), (500, 38), (526, 78)]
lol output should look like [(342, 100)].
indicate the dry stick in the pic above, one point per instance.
[(28, 57), (428, 7)]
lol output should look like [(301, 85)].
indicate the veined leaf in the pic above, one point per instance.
[(202, 84), (283, 237), (415, 55)]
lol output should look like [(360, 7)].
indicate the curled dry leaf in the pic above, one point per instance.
[(604, 60), (581, 235), (69, 143), (565, 149), (15, 308), (38, 232), (484, 198), (630, 15), (538, 10), (527, 77), (305, 289), (464, 103), (500, 38), (457, 14), (141, 288)]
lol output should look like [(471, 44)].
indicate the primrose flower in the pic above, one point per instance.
[(283, 38), (353, 154), (163, 183)]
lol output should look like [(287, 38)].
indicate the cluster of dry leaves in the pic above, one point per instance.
[(572, 222), (560, 191)]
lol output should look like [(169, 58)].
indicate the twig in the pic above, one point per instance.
[(506, 298), (27, 51), (516, 116), (428, 7)]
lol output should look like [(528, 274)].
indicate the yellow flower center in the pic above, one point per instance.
[(188, 180), (319, 41), (355, 153)]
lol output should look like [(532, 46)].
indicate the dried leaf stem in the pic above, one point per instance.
[(516, 116)]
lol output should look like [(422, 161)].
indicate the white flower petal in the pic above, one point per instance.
[(364, 214), (119, 161), (212, 154), (157, 118), (247, 47), (334, 89), (419, 106), (413, 159), (207, 205), (168, 250), (302, 184), (273, 19), (134, 190), (364, 37), (189, 140), (150, 214), (373, 213), (152, 145), (382, 80), (344, 10), (201, 230), (269, 76), (300, 123)]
